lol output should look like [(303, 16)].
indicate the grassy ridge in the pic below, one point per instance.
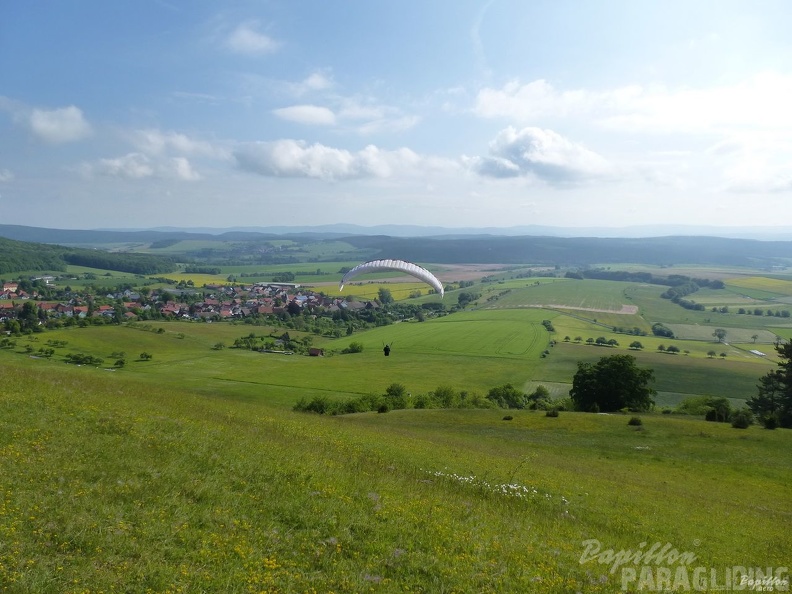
[(107, 484)]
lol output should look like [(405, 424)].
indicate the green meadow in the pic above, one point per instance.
[(190, 472)]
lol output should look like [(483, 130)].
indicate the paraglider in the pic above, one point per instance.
[(418, 272)]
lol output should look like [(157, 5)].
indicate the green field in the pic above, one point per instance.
[(110, 484), (190, 472)]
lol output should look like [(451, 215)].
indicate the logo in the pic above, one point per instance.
[(659, 567)]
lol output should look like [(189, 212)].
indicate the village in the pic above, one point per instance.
[(214, 302)]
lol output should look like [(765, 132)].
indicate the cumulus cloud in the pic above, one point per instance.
[(6, 175), (246, 39), (307, 114), (295, 158), (58, 126), (540, 153), (760, 102), (137, 166)]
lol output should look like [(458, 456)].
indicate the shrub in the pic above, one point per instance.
[(396, 396), (423, 401), (553, 412), (508, 418), (507, 396), (354, 347), (770, 422), (742, 419), (635, 421), (383, 408)]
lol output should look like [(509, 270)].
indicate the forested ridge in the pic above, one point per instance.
[(581, 251), (475, 249), (16, 256)]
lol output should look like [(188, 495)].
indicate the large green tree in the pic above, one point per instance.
[(773, 402), (611, 384)]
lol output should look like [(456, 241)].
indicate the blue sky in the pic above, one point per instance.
[(454, 113)]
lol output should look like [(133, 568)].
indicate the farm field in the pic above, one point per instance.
[(762, 284)]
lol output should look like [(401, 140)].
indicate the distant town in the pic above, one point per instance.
[(57, 306)]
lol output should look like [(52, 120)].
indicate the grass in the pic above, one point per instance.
[(762, 284), (190, 472), (107, 484), (673, 373)]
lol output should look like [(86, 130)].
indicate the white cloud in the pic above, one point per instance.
[(294, 158), (317, 81), (57, 126), (6, 175), (137, 166), (754, 162), (156, 142), (540, 153), (130, 166), (307, 114), (245, 39), (182, 169), (760, 102)]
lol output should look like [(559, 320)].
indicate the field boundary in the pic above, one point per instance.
[(625, 309)]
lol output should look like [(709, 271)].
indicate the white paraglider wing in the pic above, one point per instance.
[(418, 272)]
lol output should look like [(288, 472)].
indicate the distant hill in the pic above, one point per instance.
[(17, 256), (93, 236), (545, 250), (584, 251)]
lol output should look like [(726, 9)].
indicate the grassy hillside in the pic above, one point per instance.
[(109, 484)]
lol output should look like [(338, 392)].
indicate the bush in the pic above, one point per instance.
[(770, 422), (423, 401), (635, 421), (507, 396), (354, 347), (383, 408), (508, 418), (742, 419), (553, 412)]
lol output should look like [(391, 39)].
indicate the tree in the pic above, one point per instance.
[(766, 405), (384, 296), (539, 399), (611, 384), (507, 396), (635, 345), (28, 316), (465, 298), (711, 354), (396, 396), (719, 334), (446, 396), (754, 337), (773, 403)]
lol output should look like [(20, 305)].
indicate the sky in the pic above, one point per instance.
[(453, 113)]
